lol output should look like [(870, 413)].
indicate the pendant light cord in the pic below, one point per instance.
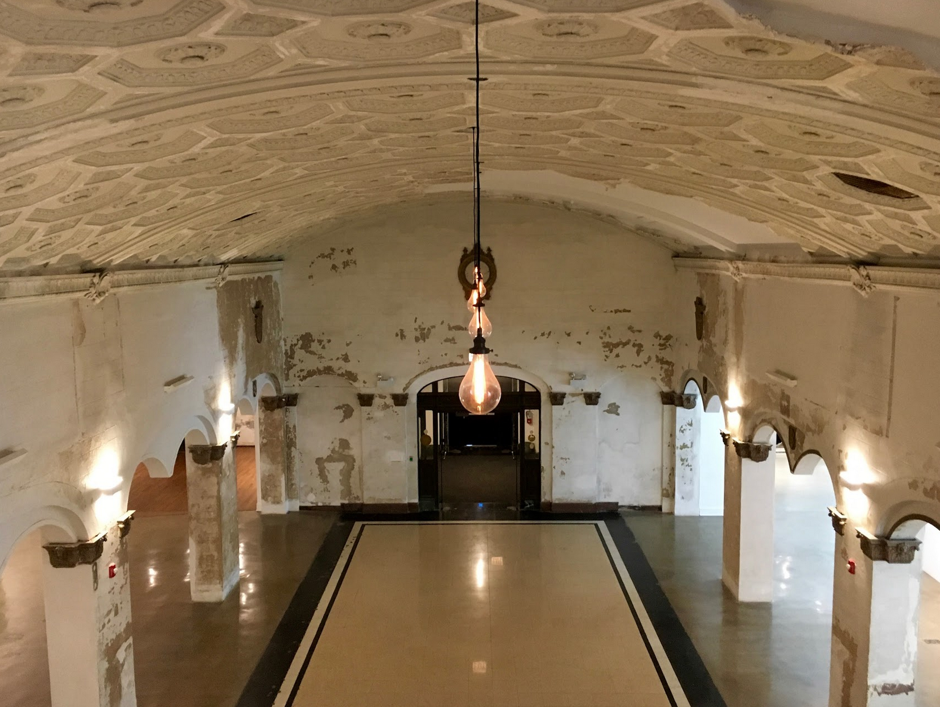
[(476, 153)]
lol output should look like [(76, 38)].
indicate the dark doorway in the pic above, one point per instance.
[(479, 459)]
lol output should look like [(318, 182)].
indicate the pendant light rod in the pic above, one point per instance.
[(477, 248)]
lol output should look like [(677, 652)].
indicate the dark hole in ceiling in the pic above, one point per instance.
[(242, 218), (873, 186)]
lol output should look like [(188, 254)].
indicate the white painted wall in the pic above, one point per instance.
[(574, 294), (83, 394), (930, 551), (712, 461)]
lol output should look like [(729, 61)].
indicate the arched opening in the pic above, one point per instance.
[(23, 626), (700, 456), (245, 438), (480, 460), (804, 552), (908, 596)]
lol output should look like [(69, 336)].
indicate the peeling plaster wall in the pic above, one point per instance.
[(83, 387), (380, 296), (867, 399)]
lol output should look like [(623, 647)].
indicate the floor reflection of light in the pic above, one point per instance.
[(153, 576), (481, 574)]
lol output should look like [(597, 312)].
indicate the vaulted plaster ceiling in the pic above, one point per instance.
[(157, 131)]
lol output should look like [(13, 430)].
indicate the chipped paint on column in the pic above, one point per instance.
[(397, 311), (292, 489), (731, 528), (687, 461), (213, 528), (272, 474), (668, 454), (115, 641)]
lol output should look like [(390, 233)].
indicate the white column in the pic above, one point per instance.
[(88, 623), (213, 521), (748, 546), (688, 465)]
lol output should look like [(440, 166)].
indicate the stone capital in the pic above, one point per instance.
[(751, 450), (592, 398), (366, 399), (838, 520), (290, 399), (124, 524), (84, 552), (270, 403), (556, 398), (400, 399), (206, 453), (681, 400), (895, 552)]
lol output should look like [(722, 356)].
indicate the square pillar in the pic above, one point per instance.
[(291, 480), (88, 623), (748, 538), (669, 460), (272, 455), (687, 465), (875, 619), (213, 521)]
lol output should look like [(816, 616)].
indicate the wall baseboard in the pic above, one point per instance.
[(588, 507), (380, 508)]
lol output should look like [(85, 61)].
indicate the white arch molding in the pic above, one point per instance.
[(436, 374)]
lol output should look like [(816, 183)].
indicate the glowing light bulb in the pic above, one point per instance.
[(479, 320), (479, 390), (472, 302)]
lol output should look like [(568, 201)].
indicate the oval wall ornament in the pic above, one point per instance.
[(465, 271)]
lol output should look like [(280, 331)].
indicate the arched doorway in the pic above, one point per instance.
[(479, 459), (700, 456)]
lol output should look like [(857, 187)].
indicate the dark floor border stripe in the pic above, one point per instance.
[(271, 670), (636, 619), (696, 682), (326, 616)]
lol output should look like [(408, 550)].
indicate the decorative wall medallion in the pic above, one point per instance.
[(465, 271), (257, 312)]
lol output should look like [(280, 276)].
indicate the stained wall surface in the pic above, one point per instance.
[(574, 294)]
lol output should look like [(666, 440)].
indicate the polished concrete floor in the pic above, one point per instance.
[(769, 655), (185, 654), (479, 478), (481, 614)]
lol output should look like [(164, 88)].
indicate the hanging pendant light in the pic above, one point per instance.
[(479, 390)]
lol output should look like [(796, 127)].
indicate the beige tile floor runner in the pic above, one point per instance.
[(488, 614)]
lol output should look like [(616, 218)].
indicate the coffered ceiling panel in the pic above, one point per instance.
[(139, 132)]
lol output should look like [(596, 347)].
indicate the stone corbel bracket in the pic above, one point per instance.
[(679, 400), (838, 520), (124, 524), (751, 450), (290, 399), (592, 398), (68, 555), (366, 399), (207, 453), (270, 403), (895, 552), (556, 398)]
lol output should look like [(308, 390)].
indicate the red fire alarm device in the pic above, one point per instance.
[(850, 565), (112, 570)]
